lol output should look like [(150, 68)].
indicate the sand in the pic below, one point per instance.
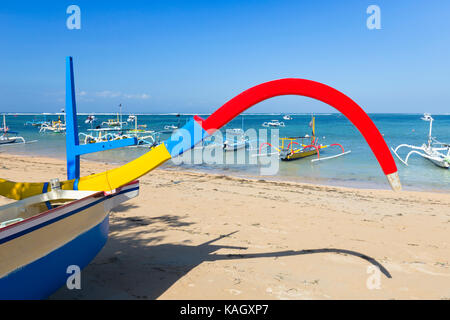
[(201, 236)]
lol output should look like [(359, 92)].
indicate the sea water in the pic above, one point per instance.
[(356, 169)]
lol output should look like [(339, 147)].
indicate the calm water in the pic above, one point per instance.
[(357, 169)]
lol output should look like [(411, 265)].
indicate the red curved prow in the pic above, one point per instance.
[(337, 144), (313, 90), (293, 143), (263, 144)]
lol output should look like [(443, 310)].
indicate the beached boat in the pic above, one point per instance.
[(435, 151), (273, 123), (293, 148), (41, 236)]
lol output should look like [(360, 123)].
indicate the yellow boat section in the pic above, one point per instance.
[(105, 181)]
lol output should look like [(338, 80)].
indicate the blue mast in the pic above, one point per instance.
[(73, 148)]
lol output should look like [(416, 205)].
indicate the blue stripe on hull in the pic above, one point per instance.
[(41, 278)]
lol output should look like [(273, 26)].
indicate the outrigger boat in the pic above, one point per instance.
[(293, 148), (235, 140), (36, 123), (7, 140), (145, 138), (116, 122), (172, 127), (54, 126), (90, 119), (273, 123), (57, 225), (435, 151)]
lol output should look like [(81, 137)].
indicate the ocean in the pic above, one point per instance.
[(356, 169)]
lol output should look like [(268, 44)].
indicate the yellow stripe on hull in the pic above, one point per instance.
[(104, 181)]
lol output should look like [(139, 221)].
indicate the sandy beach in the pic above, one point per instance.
[(191, 235)]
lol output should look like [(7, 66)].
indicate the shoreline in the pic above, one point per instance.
[(206, 236), (325, 182)]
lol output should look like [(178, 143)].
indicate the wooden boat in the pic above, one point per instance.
[(54, 126), (293, 148), (435, 151), (42, 235), (7, 140)]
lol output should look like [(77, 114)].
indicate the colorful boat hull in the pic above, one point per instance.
[(35, 253)]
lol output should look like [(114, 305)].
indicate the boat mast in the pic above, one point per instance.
[(120, 112), (429, 134)]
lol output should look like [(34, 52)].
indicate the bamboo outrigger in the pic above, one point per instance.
[(435, 151), (293, 148)]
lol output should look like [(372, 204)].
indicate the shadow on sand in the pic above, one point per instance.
[(134, 266)]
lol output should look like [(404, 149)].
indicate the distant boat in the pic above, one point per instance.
[(235, 140), (55, 126), (172, 127), (90, 119), (273, 123), (5, 139), (287, 117)]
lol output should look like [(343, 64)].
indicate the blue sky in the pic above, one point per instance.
[(193, 56)]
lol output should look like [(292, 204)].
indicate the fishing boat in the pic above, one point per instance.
[(435, 151), (172, 127), (144, 137), (116, 122), (90, 119), (7, 140), (235, 140), (54, 126), (273, 123), (36, 123), (293, 148), (287, 117), (131, 118)]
